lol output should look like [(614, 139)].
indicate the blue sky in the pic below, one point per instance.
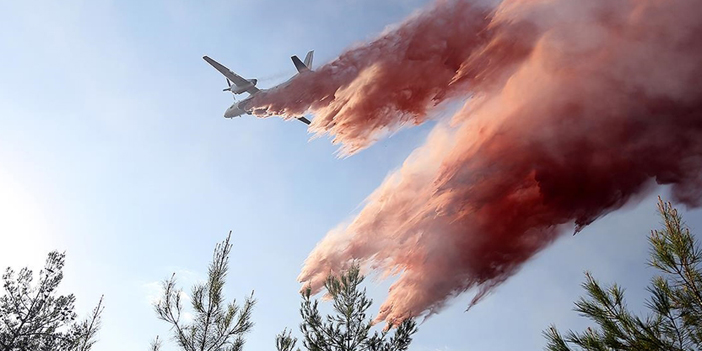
[(113, 148)]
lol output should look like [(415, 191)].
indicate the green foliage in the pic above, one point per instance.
[(675, 304), (348, 329), (32, 317), (215, 326)]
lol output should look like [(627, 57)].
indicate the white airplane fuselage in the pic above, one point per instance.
[(237, 109), (241, 108)]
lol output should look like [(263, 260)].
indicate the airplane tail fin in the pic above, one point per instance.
[(303, 66)]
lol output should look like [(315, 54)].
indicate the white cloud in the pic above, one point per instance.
[(153, 292), (185, 279)]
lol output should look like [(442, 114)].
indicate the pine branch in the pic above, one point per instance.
[(675, 304), (215, 327)]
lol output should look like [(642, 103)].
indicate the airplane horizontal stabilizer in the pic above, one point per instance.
[(299, 64), (308, 59)]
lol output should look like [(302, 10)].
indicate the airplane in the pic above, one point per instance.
[(239, 85)]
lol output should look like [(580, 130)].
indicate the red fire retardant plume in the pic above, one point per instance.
[(573, 107), (388, 83)]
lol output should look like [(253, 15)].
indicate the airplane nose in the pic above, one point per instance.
[(233, 111), (228, 113)]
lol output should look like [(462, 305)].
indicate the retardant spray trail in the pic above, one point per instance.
[(388, 83), (574, 108)]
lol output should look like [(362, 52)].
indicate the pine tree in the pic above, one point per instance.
[(675, 319), (215, 326), (33, 318), (349, 328)]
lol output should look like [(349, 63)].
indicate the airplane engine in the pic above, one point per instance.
[(242, 89)]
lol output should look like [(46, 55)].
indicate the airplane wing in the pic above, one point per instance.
[(304, 120), (233, 77)]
